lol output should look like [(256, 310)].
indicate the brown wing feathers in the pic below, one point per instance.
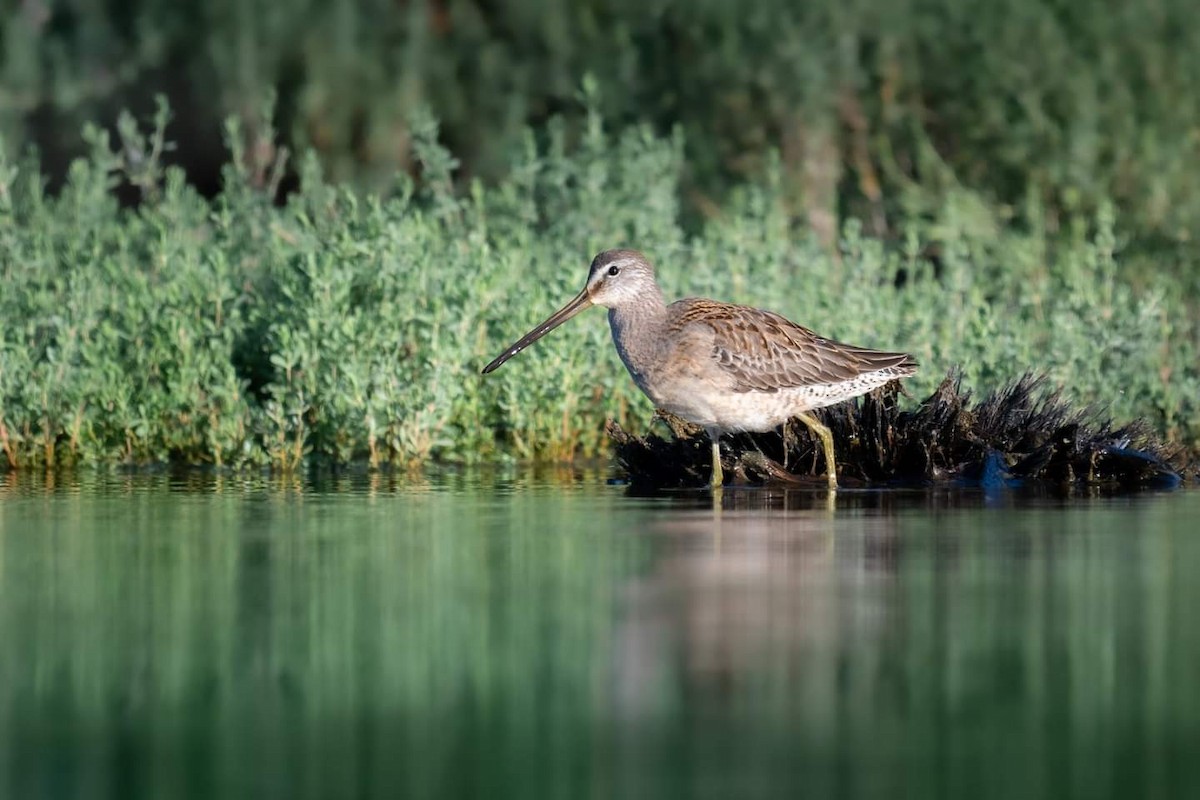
[(764, 351)]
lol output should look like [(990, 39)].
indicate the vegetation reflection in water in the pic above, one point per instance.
[(535, 639)]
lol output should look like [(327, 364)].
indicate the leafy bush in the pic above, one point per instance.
[(343, 326)]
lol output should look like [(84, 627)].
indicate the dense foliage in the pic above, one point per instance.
[(237, 331)]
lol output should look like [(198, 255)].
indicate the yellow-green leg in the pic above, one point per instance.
[(823, 433), (718, 476)]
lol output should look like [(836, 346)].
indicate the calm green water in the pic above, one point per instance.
[(554, 638)]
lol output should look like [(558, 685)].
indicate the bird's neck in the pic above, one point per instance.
[(648, 311), (637, 331)]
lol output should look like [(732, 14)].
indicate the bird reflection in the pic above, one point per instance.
[(734, 590)]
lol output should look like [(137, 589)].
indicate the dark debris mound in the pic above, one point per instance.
[(1025, 433)]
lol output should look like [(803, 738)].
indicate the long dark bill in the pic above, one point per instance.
[(572, 308)]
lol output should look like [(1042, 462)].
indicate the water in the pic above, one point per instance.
[(551, 637)]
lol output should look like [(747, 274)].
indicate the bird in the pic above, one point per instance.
[(726, 368)]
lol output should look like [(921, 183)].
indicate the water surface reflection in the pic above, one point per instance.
[(545, 635)]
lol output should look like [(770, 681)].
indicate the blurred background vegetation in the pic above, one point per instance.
[(877, 107), (318, 219)]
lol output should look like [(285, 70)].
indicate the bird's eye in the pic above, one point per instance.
[(613, 270)]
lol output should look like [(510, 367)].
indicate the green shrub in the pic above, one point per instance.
[(343, 327)]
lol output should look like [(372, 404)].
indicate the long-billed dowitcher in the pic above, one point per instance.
[(724, 367)]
